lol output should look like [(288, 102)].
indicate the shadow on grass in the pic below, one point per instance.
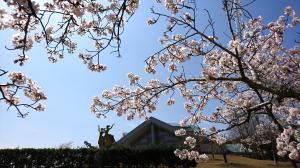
[(236, 165), (242, 162), (223, 165)]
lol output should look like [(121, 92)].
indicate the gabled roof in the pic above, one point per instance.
[(139, 130)]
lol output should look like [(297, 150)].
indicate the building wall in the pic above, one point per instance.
[(163, 136), (156, 136), (153, 134), (143, 139)]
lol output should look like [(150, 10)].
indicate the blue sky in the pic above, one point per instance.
[(70, 86)]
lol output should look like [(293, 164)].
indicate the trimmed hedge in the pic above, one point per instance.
[(121, 156), (46, 158), (143, 156)]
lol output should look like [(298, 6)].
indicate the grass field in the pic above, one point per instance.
[(241, 162)]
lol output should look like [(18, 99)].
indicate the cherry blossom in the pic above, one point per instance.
[(20, 82), (33, 22), (252, 74)]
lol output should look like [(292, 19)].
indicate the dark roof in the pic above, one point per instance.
[(140, 129)]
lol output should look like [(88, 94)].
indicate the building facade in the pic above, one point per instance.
[(155, 131)]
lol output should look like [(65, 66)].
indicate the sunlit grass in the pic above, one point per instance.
[(241, 162)]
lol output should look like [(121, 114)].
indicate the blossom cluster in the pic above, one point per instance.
[(19, 81), (33, 23), (288, 143), (191, 155), (180, 132), (190, 141), (131, 103)]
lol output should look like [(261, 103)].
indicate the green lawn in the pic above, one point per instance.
[(241, 162)]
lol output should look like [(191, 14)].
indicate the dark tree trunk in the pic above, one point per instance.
[(294, 164), (274, 157), (212, 151), (225, 157)]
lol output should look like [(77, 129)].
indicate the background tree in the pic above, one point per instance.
[(258, 136)]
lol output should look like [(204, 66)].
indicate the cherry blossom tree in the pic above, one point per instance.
[(250, 73)]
